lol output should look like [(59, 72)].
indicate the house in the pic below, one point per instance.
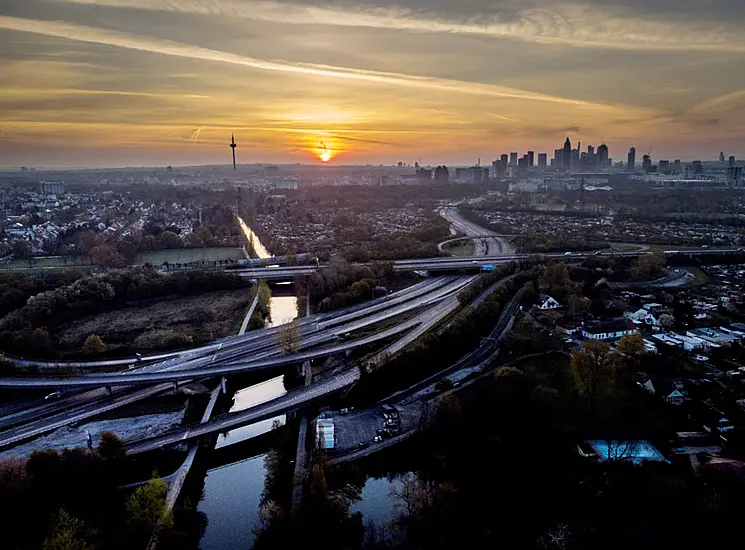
[(675, 398), (649, 386), (609, 330), (547, 302), (643, 316), (649, 346)]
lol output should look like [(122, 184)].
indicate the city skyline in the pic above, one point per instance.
[(111, 83)]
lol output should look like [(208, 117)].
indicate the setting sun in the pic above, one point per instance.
[(325, 155), (323, 152)]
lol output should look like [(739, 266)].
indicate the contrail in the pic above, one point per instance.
[(195, 134), (94, 35)]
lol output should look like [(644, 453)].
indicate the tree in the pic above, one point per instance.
[(170, 240), (592, 370), (578, 306), (667, 321), (20, 247), (649, 267), (68, 533), (555, 276), (110, 447), (107, 256), (629, 351), (93, 345), (288, 338), (146, 507)]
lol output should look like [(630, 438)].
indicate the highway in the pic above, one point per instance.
[(319, 389), (492, 246), (275, 407), (241, 359), (22, 416)]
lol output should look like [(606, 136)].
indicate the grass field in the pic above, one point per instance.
[(46, 262), (173, 323), (460, 248), (189, 255)]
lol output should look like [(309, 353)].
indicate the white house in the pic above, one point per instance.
[(547, 302), (675, 398), (643, 316), (649, 386), (610, 330)]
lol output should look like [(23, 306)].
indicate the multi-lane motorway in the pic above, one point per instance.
[(493, 245), (255, 350)]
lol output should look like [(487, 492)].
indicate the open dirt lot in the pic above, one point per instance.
[(166, 324)]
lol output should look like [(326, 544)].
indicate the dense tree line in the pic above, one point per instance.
[(26, 330), (70, 500)]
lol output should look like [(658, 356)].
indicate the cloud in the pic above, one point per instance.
[(94, 35), (578, 25)]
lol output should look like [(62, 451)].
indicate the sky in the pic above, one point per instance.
[(97, 83)]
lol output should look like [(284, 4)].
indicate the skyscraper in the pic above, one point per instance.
[(647, 164), (542, 161), (732, 161), (603, 156), (631, 164), (566, 157), (513, 159), (590, 150), (504, 159), (531, 159), (721, 158), (442, 174)]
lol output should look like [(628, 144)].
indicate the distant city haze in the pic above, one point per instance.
[(94, 83)]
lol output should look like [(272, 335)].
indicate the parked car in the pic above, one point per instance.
[(701, 358)]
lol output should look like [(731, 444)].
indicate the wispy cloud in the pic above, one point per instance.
[(565, 24), (89, 34)]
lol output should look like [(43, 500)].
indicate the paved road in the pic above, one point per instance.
[(250, 312), (493, 246), (275, 407), (65, 418)]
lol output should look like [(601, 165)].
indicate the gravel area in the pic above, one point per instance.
[(74, 437)]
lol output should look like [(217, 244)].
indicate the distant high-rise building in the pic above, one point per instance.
[(677, 168), (732, 161), (542, 161), (663, 167), (475, 174), (424, 175), (531, 159), (698, 168), (499, 166), (566, 157), (631, 164), (504, 159), (588, 162), (721, 158), (647, 164), (442, 174), (603, 159), (590, 150), (400, 164), (52, 188), (513, 159)]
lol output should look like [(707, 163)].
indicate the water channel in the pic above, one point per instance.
[(232, 493)]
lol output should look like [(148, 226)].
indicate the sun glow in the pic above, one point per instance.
[(323, 152)]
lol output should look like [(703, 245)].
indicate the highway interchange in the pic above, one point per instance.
[(413, 311)]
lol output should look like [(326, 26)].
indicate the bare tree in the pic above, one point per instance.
[(289, 338)]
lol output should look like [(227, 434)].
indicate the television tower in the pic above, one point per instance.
[(233, 146)]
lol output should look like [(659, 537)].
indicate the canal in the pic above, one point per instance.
[(232, 494)]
